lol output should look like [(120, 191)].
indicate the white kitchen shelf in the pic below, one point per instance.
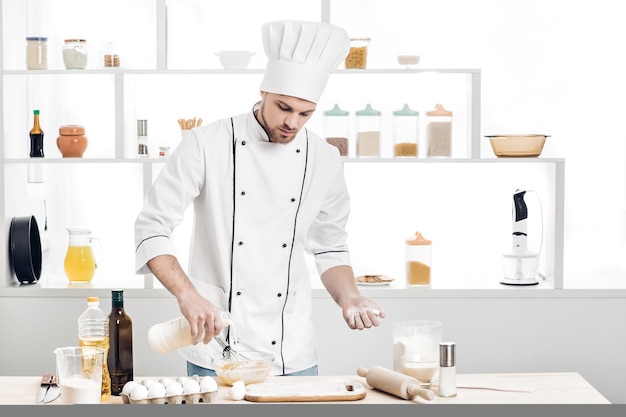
[(121, 82)]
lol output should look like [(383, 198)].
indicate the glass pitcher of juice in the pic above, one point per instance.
[(80, 262)]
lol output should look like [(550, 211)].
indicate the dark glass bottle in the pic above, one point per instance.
[(36, 137), (120, 360)]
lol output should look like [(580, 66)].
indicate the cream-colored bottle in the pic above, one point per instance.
[(174, 334)]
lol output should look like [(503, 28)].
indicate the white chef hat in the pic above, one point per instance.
[(301, 56)]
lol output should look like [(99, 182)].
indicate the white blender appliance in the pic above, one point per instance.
[(520, 264)]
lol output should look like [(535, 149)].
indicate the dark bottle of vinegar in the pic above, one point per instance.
[(36, 137), (120, 360)]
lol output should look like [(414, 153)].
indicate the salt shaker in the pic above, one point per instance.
[(439, 132), (447, 369), (142, 138)]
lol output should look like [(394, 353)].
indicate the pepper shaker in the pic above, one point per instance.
[(447, 369)]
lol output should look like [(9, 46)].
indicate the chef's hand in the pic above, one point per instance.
[(362, 313), (202, 315)]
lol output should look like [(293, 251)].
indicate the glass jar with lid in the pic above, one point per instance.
[(439, 132), (36, 53), (357, 56), (75, 54), (336, 128), (418, 260), (405, 130), (368, 139)]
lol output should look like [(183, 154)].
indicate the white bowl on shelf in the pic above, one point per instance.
[(235, 59)]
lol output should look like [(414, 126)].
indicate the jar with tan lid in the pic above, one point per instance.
[(36, 53), (405, 128), (418, 260), (439, 132), (72, 141)]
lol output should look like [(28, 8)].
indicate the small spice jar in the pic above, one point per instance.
[(336, 128), (36, 53), (368, 132), (72, 141), (405, 130), (418, 260), (357, 56), (439, 132), (75, 54)]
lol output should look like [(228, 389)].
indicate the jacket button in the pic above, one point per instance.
[(279, 294), (298, 150), (284, 245), (293, 200), (243, 143), (240, 243), (243, 193), (238, 292), (273, 342)]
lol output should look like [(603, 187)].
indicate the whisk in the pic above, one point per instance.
[(228, 351)]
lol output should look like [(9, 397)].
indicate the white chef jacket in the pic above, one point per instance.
[(258, 206)]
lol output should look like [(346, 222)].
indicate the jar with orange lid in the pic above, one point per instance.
[(418, 260), (72, 141), (439, 132)]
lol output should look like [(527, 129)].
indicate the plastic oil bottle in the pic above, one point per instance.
[(93, 330)]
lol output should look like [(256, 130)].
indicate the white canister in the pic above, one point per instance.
[(75, 54)]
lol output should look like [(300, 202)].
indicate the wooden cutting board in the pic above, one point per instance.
[(309, 391)]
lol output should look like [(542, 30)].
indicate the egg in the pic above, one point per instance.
[(147, 382), (208, 384), (238, 391), (128, 387), (191, 386), (165, 381), (140, 392), (173, 388), (156, 390)]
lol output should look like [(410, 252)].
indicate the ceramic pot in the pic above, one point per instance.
[(72, 141)]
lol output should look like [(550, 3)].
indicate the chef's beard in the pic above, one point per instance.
[(275, 134)]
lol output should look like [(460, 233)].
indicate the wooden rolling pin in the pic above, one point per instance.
[(394, 383)]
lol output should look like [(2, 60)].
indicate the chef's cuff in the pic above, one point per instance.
[(150, 248), (329, 259)]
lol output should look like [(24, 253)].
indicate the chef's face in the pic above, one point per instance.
[(283, 116)]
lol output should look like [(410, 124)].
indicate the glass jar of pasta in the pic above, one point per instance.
[(357, 57)]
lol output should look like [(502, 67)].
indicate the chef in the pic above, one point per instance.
[(265, 191)]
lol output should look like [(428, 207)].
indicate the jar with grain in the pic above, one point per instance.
[(405, 130), (439, 132), (75, 54), (368, 136), (336, 128), (36, 53), (418, 260), (357, 56)]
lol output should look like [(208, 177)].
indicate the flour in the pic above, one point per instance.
[(77, 390)]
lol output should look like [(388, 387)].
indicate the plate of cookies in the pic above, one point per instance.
[(373, 280)]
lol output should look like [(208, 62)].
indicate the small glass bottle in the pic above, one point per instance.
[(336, 128), (418, 260), (368, 132), (36, 137), (447, 369), (142, 139), (120, 359), (439, 132), (36, 53), (405, 128)]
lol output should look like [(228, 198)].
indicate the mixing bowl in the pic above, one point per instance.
[(517, 145), (235, 59), (255, 368)]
